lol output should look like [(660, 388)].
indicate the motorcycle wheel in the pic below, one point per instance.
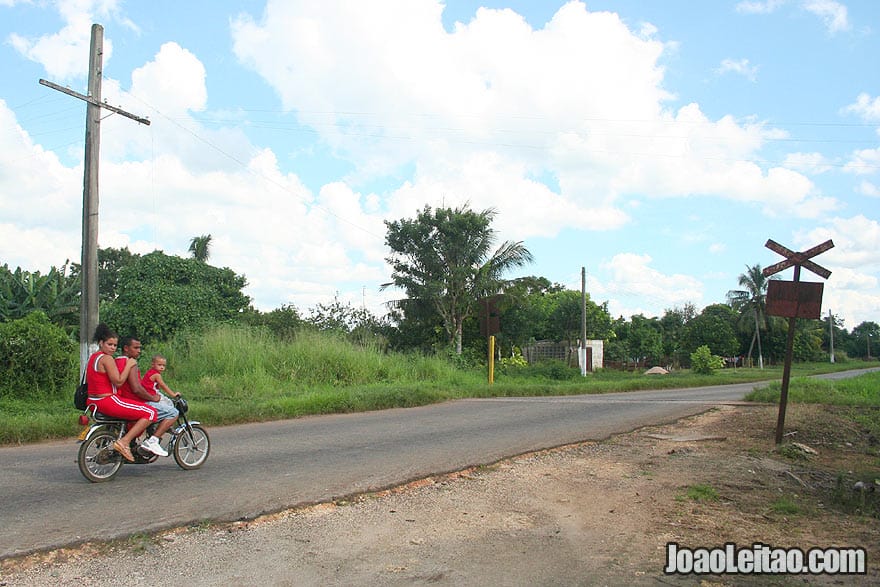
[(192, 452), (97, 460)]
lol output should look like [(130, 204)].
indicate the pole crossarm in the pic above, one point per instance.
[(793, 259), (94, 102)]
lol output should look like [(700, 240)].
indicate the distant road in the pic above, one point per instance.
[(268, 467)]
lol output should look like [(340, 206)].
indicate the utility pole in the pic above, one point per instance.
[(88, 318), (831, 334), (582, 351)]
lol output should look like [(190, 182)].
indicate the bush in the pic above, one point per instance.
[(704, 362), (39, 359), (555, 370)]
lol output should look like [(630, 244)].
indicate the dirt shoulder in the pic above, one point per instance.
[(590, 514)]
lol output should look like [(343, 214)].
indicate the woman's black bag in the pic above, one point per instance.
[(81, 394)]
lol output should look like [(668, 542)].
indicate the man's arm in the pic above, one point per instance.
[(134, 381)]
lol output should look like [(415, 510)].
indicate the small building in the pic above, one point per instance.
[(545, 349)]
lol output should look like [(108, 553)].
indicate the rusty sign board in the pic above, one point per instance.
[(490, 319), (793, 259), (794, 299)]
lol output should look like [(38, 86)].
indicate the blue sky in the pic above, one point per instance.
[(657, 144)]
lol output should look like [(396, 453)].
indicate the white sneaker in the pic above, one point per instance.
[(152, 444)]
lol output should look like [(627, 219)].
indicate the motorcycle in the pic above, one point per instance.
[(98, 461)]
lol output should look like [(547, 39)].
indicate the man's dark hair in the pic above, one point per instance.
[(126, 341)]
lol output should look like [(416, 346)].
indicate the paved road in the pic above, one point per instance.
[(261, 468)]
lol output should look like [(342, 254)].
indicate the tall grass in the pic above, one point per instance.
[(861, 391), (239, 363), (232, 374)]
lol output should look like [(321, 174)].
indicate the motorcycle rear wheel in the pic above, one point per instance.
[(97, 460), (191, 453)]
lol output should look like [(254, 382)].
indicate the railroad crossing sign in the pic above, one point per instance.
[(796, 260), (793, 299)]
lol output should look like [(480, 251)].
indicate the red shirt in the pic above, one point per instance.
[(99, 383), (149, 384), (124, 390)]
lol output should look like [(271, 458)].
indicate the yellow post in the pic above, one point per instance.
[(491, 360)]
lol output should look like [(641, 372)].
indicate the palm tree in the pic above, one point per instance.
[(445, 258), (200, 247), (751, 301)]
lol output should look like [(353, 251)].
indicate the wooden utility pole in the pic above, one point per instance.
[(88, 318), (582, 351), (831, 334)]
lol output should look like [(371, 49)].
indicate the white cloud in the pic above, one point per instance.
[(42, 200), (866, 107), (174, 82), (499, 101), (864, 161), (65, 54), (758, 7), (740, 67), (812, 163), (868, 189), (833, 14), (852, 288), (634, 287), (856, 242)]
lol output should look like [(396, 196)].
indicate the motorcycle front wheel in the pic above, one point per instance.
[(191, 452), (97, 460)]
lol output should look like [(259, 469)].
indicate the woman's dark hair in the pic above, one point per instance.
[(103, 332)]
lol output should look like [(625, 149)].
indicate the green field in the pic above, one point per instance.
[(235, 375)]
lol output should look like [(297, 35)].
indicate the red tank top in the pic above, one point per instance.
[(99, 383)]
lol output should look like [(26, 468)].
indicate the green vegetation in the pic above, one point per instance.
[(786, 506), (704, 362), (234, 374), (702, 492), (861, 394)]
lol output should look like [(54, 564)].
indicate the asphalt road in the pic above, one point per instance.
[(255, 469)]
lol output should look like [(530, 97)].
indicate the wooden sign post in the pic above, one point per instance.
[(793, 300)]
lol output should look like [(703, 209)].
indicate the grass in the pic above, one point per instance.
[(234, 375), (860, 394), (785, 506), (701, 492)]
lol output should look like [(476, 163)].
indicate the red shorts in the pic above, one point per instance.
[(124, 409)]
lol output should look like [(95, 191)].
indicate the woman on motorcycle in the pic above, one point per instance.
[(103, 376)]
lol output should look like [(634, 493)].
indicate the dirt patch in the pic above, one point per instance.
[(589, 514)]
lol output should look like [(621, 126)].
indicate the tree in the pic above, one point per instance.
[(110, 262), (704, 362), (161, 294), (200, 247), (713, 328), (751, 303), (865, 341), (638, 340), (442, 257), (522, 312), (672, 325), (359, 324), (38, 358), (56, 294)]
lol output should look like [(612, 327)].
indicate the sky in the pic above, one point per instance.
[(657, 145)]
